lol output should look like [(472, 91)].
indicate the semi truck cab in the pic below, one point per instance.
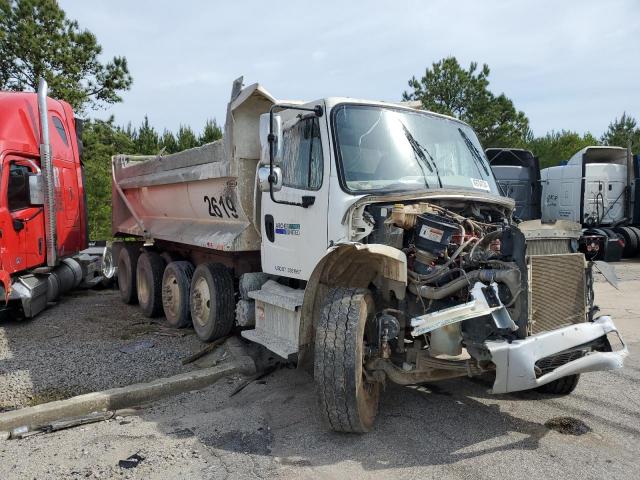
[(43, 220)]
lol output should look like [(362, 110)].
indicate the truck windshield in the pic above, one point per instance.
[(385, 149)]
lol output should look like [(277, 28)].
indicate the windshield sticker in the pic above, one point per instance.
[(430, 233), (288, 228), (480, 184)]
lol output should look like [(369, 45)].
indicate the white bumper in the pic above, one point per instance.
[(515, 361)]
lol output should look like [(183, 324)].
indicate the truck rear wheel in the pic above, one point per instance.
[(149, 283), (212, 301), (562, 386), (348, 400), (176, 286), (630, 241), (636, 232), (127, 263)]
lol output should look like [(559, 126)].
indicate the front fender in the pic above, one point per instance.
[(349, 265)]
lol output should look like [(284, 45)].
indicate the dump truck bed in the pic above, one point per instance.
[(202, 197)]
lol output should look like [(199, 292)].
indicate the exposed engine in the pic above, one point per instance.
[(466, 278)]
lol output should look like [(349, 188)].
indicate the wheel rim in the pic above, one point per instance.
[(108, 268), (171, 296), (201, 301), (143, 289)]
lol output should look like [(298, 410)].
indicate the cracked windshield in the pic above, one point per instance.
[(384, 149)]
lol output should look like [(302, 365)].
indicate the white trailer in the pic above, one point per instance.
[(365, 240)]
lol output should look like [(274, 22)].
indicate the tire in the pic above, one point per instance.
[(176, 286), (562, 386), (347, 400), (149, 283), (127, 264), (636, 231), (211, 301), (630, 241)]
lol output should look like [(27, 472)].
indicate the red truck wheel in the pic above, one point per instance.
[(212, 301), (149, 283), (127, 263)]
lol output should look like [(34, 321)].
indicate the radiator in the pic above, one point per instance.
[(557, 291)]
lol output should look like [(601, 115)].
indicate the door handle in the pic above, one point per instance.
[(269, 226), (308, 200)]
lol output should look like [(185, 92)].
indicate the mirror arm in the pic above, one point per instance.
[(307, 201)]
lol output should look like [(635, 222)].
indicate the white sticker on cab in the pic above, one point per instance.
[(480, 184)]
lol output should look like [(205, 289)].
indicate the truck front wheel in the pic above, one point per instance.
[(212, 301), (562, 386), (348, 399)]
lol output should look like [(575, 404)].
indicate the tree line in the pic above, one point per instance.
[(448, 88), (38, 40), (101, 139)]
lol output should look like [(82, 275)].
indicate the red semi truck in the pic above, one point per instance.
[(43, 215)]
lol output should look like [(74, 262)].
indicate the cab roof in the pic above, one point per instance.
[(410, 106), (20, 125)]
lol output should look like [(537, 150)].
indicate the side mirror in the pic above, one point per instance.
[(36, 189), (264, 138), (263, 179)]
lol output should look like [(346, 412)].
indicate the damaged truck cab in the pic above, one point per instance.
[(386, 253)]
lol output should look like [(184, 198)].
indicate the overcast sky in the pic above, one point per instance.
[(566, 64)]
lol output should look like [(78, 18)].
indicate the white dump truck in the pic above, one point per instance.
[(361, 239)]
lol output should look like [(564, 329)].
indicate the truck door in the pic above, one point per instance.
[(21, 224), (295, 238), (67, 188)]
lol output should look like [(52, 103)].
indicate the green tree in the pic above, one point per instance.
[(448, 88), (101, 139), (186, 138), (211, 132), (146, 139), (168, 142), (37, 39), (623, 132), (557, 146)]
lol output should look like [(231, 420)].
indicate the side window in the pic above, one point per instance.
[(18, 188), (60, 129), (302, 163)]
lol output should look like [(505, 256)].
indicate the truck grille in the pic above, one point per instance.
[(549, 364), (557, 291)]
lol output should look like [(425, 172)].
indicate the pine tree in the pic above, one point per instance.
[(211, 132), (38, 40)]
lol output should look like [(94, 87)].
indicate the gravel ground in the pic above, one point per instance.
[(448, 430), (74, 347)]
